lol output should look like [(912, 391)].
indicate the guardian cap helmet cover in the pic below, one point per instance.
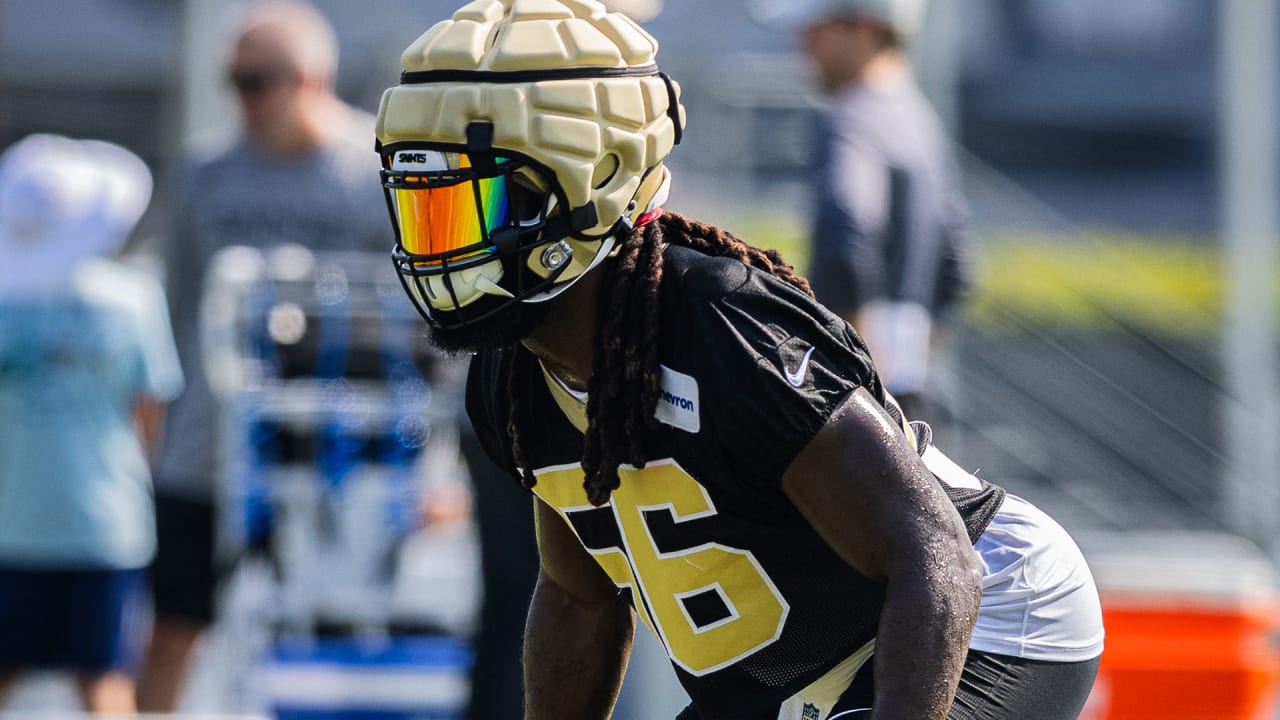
[(524, 137)]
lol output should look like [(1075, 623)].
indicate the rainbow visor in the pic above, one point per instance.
[(448, 207)]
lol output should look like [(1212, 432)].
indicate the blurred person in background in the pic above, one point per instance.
[(509, 569), (709, 448), (300, 172), (87, 361), (889, 250)]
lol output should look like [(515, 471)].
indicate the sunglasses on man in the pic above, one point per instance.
[(253, 82)]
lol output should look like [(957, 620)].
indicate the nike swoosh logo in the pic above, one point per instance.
[(796, 379)]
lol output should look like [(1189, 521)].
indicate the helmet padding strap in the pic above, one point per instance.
[(480, 146), (673, 105)]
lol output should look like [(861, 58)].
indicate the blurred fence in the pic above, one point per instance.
[(1104, 409), (1085, 371)]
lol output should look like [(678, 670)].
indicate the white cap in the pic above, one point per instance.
[(63, 201), (903, 17), (638, 10)]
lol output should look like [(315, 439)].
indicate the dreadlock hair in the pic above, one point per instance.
[(624, 388)]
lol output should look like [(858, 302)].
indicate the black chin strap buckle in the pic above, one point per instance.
[(506, 240), (584, 218)]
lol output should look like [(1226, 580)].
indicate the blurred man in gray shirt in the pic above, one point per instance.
[(888, 240), (302, 171)]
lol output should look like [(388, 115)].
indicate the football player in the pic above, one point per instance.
[(711, 450)]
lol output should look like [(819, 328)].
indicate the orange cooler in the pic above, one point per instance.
[(1191, 621)]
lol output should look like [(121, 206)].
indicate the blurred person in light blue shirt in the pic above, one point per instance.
[(87, 360)]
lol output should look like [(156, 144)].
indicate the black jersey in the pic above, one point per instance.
[(748, 600)]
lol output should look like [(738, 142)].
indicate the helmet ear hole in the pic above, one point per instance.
[(605, 171)]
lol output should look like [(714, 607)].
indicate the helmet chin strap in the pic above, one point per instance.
[(651, 212), (606, 247), (654, 210), (661, 195)]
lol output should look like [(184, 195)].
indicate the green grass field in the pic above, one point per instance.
[(1172, 287), (1167, 285)]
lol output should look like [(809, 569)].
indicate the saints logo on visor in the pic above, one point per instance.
[(452, 209)]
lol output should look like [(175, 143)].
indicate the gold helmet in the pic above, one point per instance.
[(524, 137)]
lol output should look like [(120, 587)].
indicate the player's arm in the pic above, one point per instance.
[(865, 490), (579, 631)]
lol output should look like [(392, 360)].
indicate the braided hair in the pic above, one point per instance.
[(624, 388)]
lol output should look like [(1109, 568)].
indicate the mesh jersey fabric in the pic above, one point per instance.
[(776, 605)]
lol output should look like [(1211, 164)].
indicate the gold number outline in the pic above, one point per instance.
[(561, 488)]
